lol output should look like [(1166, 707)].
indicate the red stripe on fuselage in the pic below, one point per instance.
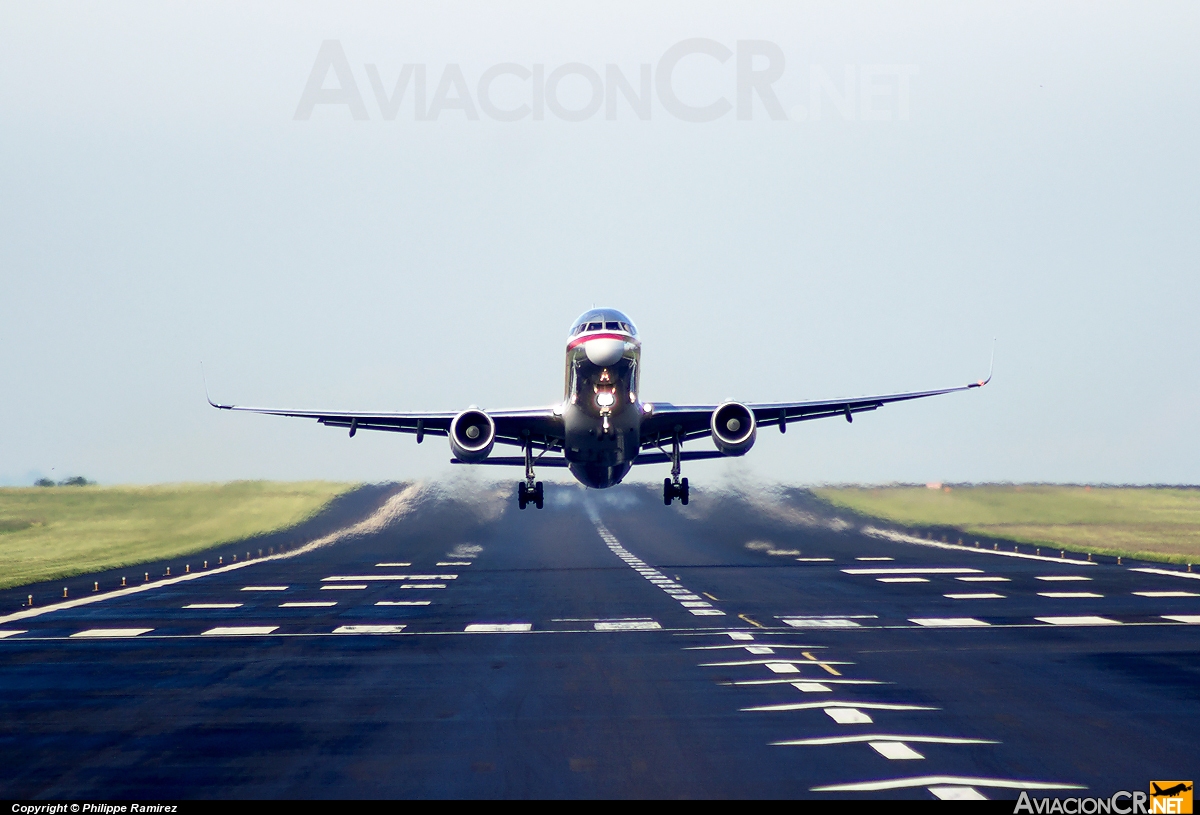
[(599, 336)]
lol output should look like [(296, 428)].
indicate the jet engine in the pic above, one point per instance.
[(733, 428), (472, 435)]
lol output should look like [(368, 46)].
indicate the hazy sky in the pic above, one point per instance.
[(892, 186)]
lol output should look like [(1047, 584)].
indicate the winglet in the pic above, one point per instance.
[(991, 366), (206, 396)]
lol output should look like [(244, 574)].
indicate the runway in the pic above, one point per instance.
[(440, 644)]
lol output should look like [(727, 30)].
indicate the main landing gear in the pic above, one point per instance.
[(529, 491), (675, 487)]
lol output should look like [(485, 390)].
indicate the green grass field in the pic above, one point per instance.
[(53, 532), (1149, 523)]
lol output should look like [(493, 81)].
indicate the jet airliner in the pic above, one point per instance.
[(602, 427)]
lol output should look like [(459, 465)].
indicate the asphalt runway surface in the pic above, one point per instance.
[(442, 644)]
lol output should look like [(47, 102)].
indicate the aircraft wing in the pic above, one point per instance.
[(512, 426), (692, 421)]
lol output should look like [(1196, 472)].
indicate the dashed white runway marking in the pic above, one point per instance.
[(374, 578), (1067, 595), (739, 635), (422, 585), (957, 794), (947, 622), (1062, 578), (4, 634), (98, 633), (848, 715), (975, 596), (388, 565), (1168, 572), (707, 612), (793, 682), (815, 559), (1192, 619), (812, 687), (832, 704), (239, 631), (345, 587), (839, 622), (403, 603), (1166, 594), (369, 629), (264, 588), (903, 579), (453, 563), (895, 750), (309, 605), (213, 605), (498, 628), (1077, 620), (782, 668), (630, 625), (879, 737), (688, 599), (874, 558), (695, 604), (984, 579), (903, 570)]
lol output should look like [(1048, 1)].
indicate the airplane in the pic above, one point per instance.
[(1170, 792), (602, 427)]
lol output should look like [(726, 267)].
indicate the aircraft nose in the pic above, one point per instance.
[(604, 351)]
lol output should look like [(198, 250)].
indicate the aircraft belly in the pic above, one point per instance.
[(600, 457)]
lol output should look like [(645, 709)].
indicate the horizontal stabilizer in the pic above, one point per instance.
[(684, 455)]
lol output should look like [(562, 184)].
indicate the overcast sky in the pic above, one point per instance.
[(879, 191)]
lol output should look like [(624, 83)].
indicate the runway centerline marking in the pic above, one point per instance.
[(345, 587), (422, 585), (874, 558), (102, 633), (387, 565), (1066, 595), (452, 563), (213, 605), (685, 597), (976, 596), (1166, 594), (264, 588), (814, 560), (403, 603), (984, 579), (903, 579), (309, 605)]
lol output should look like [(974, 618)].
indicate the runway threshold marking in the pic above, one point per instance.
[(947, 622), (239, 631), (103, 633), (938, 780), (812, 687), (1077, 621)]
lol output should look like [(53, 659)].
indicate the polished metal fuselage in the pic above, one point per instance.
[(601, 413)]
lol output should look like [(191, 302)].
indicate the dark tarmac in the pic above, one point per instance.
[(448, 645)]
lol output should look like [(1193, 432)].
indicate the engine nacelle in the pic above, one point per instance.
[(472, 435), (733, 428)]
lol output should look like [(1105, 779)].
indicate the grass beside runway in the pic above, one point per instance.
[(1142, 522), (52, 532)]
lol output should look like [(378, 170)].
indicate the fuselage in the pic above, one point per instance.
[(601, 412)]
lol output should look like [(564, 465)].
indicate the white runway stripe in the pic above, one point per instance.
[(1062, 578), (947, 622), (345, 587), (1166, 594), (984, 579), (374, 578), (422, 585), (1066, 595), (829, 703), (387, 565), (308, 605), (976, 596), (403, 603), (899, 570), (880, 737), (4, 634), (895, 750), (239, 630), (848, 715), (498, 628), (957, 794), (812, 623), (1192, 619), (634, 625), (98, 633), (957, 780), (264, 588), (1077, 620), (369, 629), (812, 687), (214, 605), (903, 579), (1168, 572)]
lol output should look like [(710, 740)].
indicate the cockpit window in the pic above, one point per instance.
[(613, 326), (626, 328), (578, 329), (595, 326)]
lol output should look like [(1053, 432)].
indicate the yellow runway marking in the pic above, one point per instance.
[(752, 622), (824, 665)]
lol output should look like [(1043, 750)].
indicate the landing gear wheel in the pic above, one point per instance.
[(683, 492), (668, 491), (522, 499), (537, 495)]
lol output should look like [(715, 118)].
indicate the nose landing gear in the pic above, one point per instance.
[(529, 490), (675, 487)]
